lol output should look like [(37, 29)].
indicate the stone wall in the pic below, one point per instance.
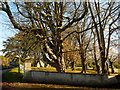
[(71, 78)]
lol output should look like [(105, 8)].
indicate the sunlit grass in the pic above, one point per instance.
[(16, 70), (69, 70), (52, 69)]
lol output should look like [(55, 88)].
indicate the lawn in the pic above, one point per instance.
[(69, 70), (13, 80), (52, 69)]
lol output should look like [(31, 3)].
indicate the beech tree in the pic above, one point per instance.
[(47, 20)]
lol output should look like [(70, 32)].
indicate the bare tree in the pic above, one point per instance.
[(104, 17)]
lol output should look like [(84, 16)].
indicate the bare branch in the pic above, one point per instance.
[(9, 13), (77, 32), (75, 19), (21, 12)]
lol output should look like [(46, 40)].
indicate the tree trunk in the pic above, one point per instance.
[(96, 64), (58, 51), (45, 64), (97, 68), (112, 69), (56, 54), (103, 66), (83, 64), (61, 65), (107, 68), (67, 63), (40, 63), (87, 66), (61, 61), (95, 58), (73, 65), (111, 66), (83, 68), (35, 63)]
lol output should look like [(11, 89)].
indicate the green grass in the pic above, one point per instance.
[(13, 76), (52, 69), (44, 69), (69, 70)]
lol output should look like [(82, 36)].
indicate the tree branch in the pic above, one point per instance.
[(9, 13), (48, 61), (77, 32), (21, 12), (48, 50), (75, 19)]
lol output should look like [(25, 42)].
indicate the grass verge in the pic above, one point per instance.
[(13, 76)]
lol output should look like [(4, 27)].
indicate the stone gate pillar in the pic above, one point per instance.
[(27, 65), (27, 68)]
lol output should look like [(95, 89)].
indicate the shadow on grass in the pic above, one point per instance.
[(12, 77)]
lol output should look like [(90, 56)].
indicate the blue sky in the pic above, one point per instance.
[(6, 30)]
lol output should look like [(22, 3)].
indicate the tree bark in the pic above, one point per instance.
[(60, 56), (73, 65), (103, 66), (95, 58), (83, 64), (111, 66), (61, 65), (82, 55)]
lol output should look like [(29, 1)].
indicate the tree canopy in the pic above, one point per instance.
[(46, 26)]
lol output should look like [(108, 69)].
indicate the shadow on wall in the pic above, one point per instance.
[(76, 79)]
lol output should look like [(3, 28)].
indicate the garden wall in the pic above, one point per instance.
[(71, 78)]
